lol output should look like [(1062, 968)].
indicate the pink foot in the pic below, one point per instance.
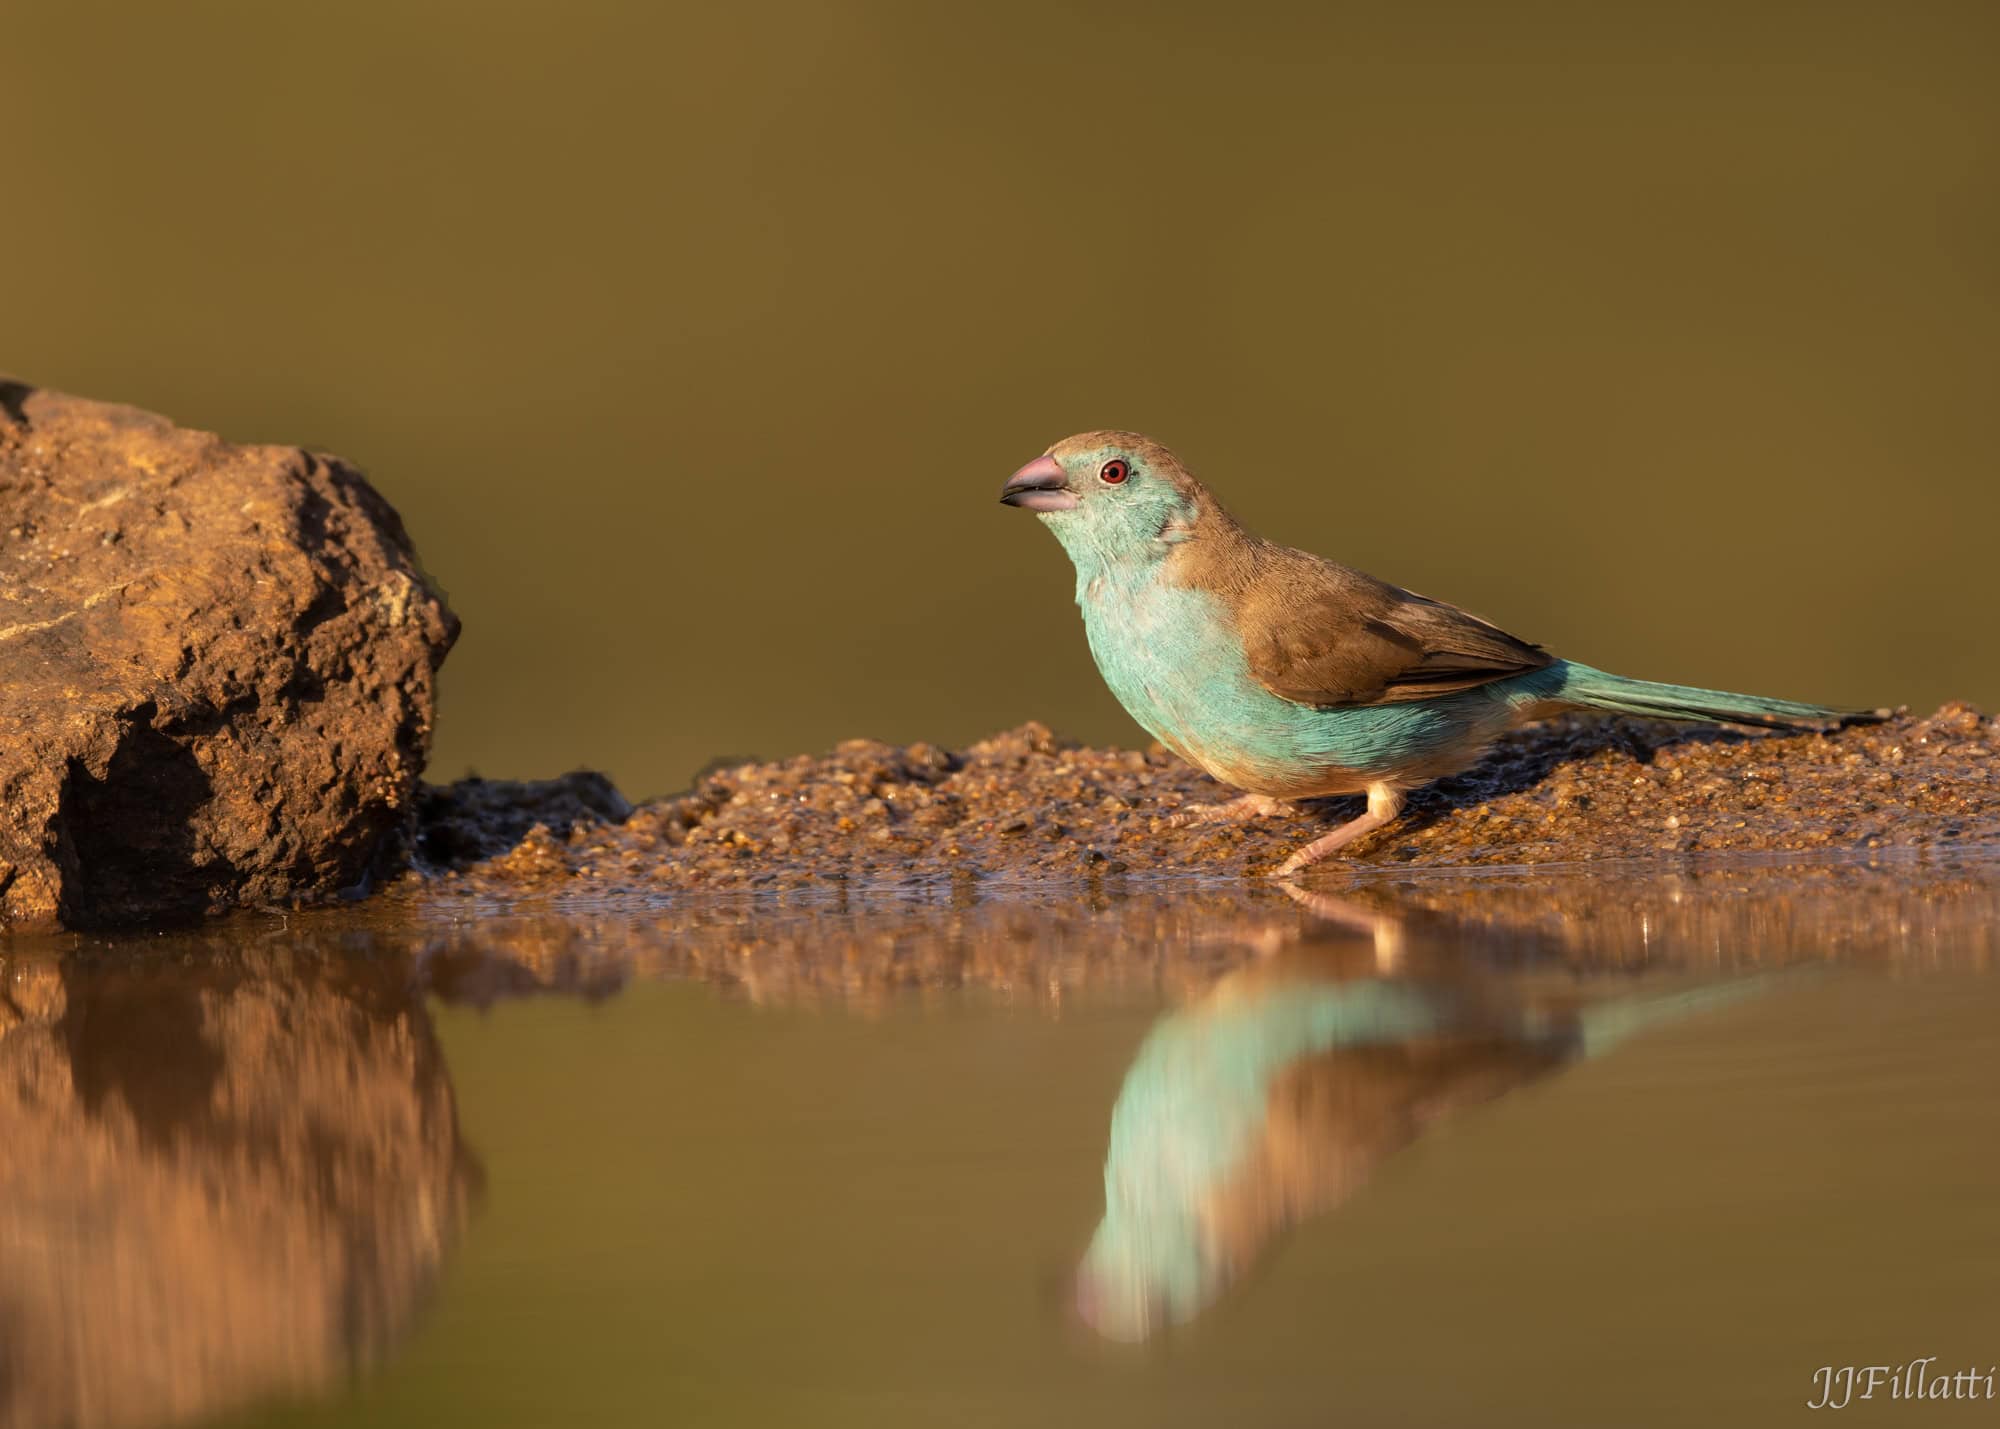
[(1236, 811), (1384, 803)]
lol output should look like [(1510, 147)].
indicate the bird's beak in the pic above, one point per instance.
[(1039, 486)]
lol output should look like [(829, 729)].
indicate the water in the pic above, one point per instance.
[(1625, 1146)]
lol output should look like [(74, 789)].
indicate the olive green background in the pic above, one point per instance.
[(694, 342)]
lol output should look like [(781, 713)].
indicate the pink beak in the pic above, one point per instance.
[(1039, 486)]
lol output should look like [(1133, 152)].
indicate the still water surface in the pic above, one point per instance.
[(1634, 1146)]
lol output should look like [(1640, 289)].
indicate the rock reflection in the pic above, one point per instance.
[(1273, 1097), (224, 1177)]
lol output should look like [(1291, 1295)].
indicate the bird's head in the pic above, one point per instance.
[(1111, 496)]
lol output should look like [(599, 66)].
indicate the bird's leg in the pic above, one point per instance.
[(1384, 803), (1250, 806)]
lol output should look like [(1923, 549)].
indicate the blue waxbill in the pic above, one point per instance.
[(1288, 676)]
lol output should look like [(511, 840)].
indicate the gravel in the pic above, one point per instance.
[(1024, 806)]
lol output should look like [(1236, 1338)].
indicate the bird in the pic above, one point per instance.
[(1290, 676), (1275, 1097)]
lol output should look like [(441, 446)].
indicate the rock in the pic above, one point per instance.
[(217, 669), (474, 819)]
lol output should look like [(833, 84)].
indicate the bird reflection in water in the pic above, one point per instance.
[(1276, 1095)]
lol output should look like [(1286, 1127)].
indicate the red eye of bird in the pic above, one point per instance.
[(1113, 472)]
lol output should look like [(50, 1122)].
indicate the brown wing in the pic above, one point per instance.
[(1320, 634)]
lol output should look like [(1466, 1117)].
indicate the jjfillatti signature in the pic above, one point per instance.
[(1837, 1386)]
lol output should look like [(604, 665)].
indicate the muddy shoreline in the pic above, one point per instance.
[(246, 722), (1024, 805)]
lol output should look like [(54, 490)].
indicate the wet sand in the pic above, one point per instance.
[(1023, 805)]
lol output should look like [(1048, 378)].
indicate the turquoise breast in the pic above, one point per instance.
[(1173, 658)]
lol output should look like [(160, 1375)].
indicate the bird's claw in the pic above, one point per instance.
[(1236, 811)]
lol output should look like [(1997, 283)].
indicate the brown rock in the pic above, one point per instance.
[(477, 818), (217, 668)]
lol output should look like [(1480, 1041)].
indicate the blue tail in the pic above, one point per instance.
[(1595, 689)]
